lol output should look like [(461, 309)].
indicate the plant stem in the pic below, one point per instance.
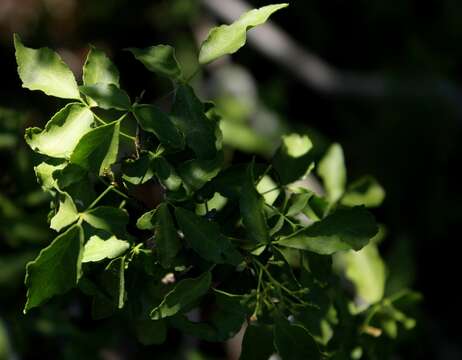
[(133, 138), (109, 188)]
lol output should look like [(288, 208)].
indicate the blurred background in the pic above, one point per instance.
[(383, 78)]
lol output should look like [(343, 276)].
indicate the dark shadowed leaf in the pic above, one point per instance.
[(154, 120), (184, 294), (111, 219), (188, 114), (56, 269), (293, 342), (257, 343), (345, 229)]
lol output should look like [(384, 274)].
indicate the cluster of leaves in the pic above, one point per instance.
[(155, 222)]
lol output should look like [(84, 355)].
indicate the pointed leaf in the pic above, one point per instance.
[(97, 249), (205, 238), (107, 96), (44, 173), (67, 213), (166, 238), (166, 174), (227, 39), (43, 69), (188, 114), (184, 294), (251, 204), (98, 68), (155, 121), (345, 229), (138, 171), (333, 173), (159, 59), (196, 173), (62, 132), (98, 149), (56, 269), (293, 160)]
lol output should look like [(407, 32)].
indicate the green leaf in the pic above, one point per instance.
[(98, 68), (189, 116), (67, 213), (333, 173), (251, 205), (366, 270), (294, 342), (227, 39), (183, 295), (62, 132), (111, 289), (196, 173), (43, 69), (147, 221), (298, 203), (155, 121), (365, 191), (97, 249), (97, 150), (56, 269), (166, 174), (110, 219), (205, 238), (159, 59), (44, 173), (107, 96), (345, 229), (293, 160), (257, 343), (150, 332)]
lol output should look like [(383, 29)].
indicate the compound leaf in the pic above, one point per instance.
[(62, 132), (43, 69), (227, 39), (56, 269)]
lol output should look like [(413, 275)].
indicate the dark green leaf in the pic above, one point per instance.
[(251, 204), (150, 332), (197, 172), (107, 96), (97, 150), (154, 120), (227, 39), (257, 343), (138, 171), (166, 238), (205, 238), (184, 294), (56, 269), (62, 132), (345, 229), (294, 342), (43, 69), (159, 59), (166, 174), (188, 114)]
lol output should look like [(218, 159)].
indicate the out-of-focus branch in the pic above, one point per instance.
[(277, 45)]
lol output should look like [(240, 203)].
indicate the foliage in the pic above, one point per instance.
[(216, 236)]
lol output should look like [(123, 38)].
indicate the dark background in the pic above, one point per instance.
[(408, 136)]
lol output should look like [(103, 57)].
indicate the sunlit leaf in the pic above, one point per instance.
[(365, 191), (98, 68), (227, 39), (43, 69), (107, 96), (67, 213), (97, 249), (333, 173), (62, 132)]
